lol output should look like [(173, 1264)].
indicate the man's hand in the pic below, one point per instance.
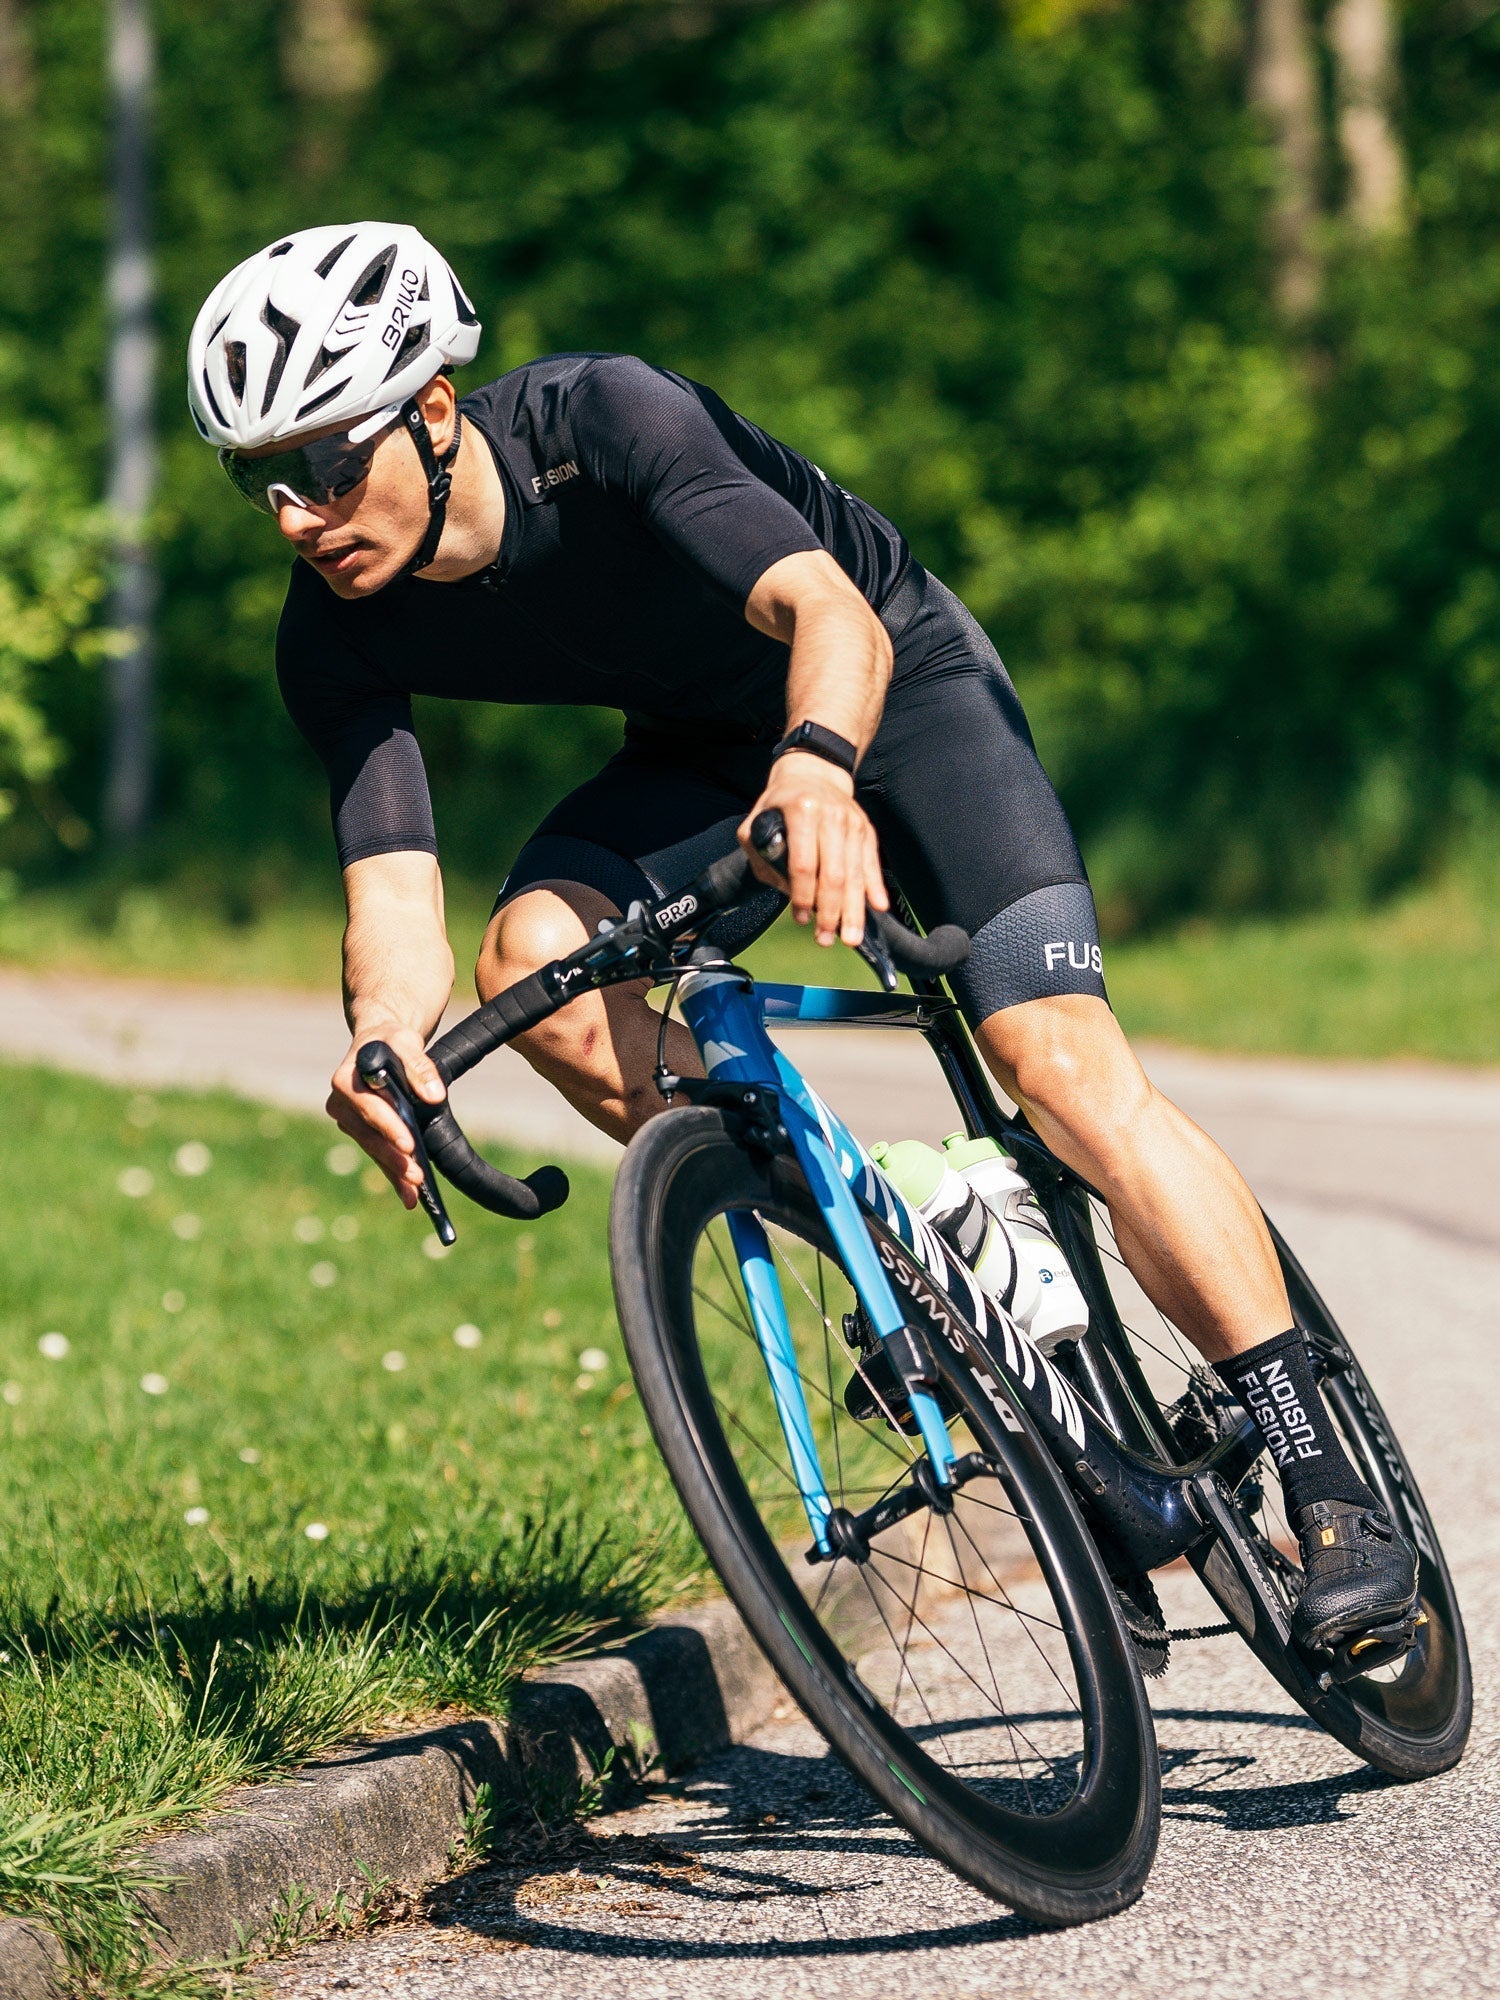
[(833, 861), (369, 1118)]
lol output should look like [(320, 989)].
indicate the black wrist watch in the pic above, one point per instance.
[(819, 742)]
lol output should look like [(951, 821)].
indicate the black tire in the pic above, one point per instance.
[(1051, 1800), (1412, 1719)]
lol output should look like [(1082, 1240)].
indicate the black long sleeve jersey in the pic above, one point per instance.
[(640, 513)]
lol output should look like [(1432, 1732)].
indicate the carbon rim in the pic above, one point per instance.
[(1418, 1699)]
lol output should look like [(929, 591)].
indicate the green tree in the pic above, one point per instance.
[(51, 584)]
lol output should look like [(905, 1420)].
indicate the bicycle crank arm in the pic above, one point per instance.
[(1234, 1573)]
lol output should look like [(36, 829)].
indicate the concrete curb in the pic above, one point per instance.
[(692, 1683)]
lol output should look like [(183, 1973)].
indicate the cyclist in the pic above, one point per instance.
[(592, 529)]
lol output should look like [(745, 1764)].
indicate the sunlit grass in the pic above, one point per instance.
[(254, 1492)]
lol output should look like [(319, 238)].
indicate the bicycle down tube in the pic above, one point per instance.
[(1146, 1508)]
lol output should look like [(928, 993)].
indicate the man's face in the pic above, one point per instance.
[(360, 542)]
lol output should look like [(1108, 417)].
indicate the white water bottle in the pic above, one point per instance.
[(959, 1215), (1048, 1301)]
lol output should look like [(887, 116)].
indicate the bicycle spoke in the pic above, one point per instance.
[(950, 1669)]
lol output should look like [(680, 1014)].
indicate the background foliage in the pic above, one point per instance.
[(1004, 266)]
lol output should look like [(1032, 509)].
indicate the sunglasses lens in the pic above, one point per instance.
[(253, 478), (335, 466), (318, 472)]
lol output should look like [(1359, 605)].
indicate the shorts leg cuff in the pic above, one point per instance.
[(1044, 944)]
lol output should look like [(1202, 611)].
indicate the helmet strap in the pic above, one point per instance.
[(439, 479)]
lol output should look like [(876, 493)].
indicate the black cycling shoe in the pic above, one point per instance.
[(1359, 1592)]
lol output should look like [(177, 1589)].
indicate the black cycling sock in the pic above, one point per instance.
[(1275, 1383)]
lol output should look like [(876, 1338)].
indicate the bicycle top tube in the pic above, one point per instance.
[(847, 1007)]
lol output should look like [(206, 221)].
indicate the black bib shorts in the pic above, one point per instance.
[(970, 828)]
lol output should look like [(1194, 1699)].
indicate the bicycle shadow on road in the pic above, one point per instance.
[(753, 1826), (1198, 1779)]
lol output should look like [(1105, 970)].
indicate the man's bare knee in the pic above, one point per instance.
[(546, 922), (1068, 1061)]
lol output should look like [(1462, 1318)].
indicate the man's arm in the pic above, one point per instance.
[(398, 974), (839, 672)]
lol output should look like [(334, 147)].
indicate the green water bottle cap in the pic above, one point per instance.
[(913, 1169)]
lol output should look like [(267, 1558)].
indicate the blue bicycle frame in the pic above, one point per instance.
[(727, 1017)]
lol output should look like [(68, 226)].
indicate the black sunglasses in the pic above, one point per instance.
[(318, 472)]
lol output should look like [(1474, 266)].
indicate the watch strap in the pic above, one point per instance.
[(817, 741)]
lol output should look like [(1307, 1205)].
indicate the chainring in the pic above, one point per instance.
[(1145, 1624)]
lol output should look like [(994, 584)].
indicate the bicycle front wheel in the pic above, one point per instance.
[(971, 1666)]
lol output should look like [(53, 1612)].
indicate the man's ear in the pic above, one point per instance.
[(438, 402)]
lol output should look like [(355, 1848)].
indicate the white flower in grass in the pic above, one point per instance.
[(324, 1274), (173, 1301), (593, 1361), (249, 1455), (344, 1228), (155, 1385), (433, 1249), (342, 1159), (196, 1517), (316, 1531), (12, 1392), (393, 1361), (53, 1345), (192, 1159), (136, 1181), (583, 1382), (467, 1335), (307, 1229), (551, 1318), (187, 1228)]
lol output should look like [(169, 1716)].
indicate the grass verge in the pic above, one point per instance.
[(273, 1474)]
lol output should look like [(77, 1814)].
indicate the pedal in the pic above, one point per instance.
[(1379, 1646)]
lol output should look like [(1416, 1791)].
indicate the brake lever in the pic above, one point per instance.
[(873, 952), (768, 838), (380, 1068)]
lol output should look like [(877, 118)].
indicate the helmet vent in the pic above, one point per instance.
[(373, 283), (234, 361), (317, 402), (326, 264), (466, 313), (286, 330), (322, 364), (280, 250), (213, 403), (415, 341), (426, 291)]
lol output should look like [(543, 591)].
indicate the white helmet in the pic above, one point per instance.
[(329, 323)]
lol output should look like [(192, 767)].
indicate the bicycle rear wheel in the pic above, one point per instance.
[(1410, 1719), (972, 1668)]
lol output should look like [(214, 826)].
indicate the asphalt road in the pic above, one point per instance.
[(1286, 1868)]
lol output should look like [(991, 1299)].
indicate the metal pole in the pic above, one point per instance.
[(131, 390)]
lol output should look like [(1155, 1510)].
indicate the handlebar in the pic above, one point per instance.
[(620, 951)]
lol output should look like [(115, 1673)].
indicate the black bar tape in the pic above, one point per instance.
[(489, 1027), (457, 1161), (724, 881), (939, 951)]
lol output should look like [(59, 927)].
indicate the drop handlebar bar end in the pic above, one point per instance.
[(440, 1144)]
